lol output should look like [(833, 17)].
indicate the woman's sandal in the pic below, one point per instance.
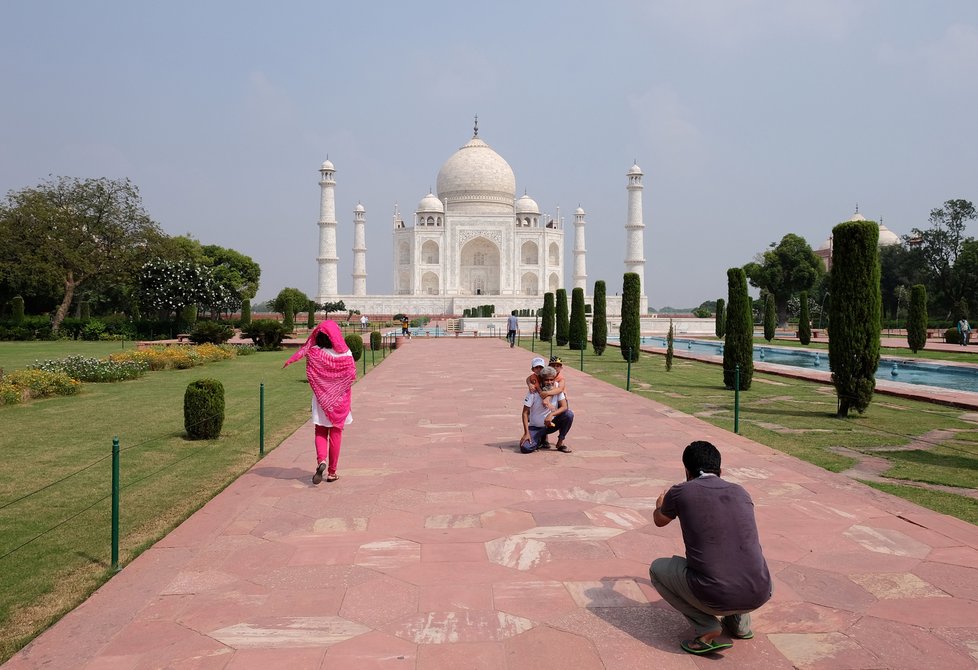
[(332, 478)]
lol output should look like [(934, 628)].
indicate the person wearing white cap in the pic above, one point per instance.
[(540, 420)]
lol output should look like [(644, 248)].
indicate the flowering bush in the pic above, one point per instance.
[(93, 369), (168, 286), (180, 358), (22, 385)]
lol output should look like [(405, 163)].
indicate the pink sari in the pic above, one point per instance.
[(331, 377)]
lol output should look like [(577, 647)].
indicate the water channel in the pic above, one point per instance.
[(942, 375)]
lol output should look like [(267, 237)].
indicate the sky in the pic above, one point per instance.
[(751, 119)]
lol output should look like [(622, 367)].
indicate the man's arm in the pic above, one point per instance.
[(658, 517), (526, 422)]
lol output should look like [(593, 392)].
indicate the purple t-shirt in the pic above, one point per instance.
[(726, 569)]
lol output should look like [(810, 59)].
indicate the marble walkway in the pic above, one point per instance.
[(441, 546)]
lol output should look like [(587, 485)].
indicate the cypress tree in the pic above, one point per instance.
[(578, 322), (245, 312), (629, 336), (288, 319), (85, 310), (770, 317), (18, 309), (917, 318), (547, 318), (854, 315), (804, 320), (311, 315), (670, 338), (739, 346), (599, 325), (721, 318), (563, 321)]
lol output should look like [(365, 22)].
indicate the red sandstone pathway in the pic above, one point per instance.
[(441, 546)]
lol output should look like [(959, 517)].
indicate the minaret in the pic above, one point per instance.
[(359, 252), (634, 228), (327, 232), (580, 265)]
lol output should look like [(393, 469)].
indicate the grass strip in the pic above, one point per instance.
[(165, 477)]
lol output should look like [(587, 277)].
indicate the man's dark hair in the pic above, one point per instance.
[(700, 457), (323, 341)]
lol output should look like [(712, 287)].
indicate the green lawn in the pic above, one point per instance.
[(55, 484), (798, 417)]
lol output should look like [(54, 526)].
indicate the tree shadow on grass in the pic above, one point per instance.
[(921, 457), (773, 411)]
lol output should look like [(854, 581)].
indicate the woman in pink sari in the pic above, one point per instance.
[(331, 371)]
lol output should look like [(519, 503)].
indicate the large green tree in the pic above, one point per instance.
[(290, 300), (854, 315), (917, 318), (940, 246), (234, 270), (70, 233), (738, 349), (563, 319), (901, 266), (599, 325), (784, 270), (629, 333), (577, 333)]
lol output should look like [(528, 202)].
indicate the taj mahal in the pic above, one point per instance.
[(473, 243)]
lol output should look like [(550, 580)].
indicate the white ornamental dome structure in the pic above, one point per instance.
[(430, 203), (527, 205), (477, 179)]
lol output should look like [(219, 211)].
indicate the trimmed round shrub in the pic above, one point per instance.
[(203, 409), (376, 340), (267, 334), (213, 332), (952, 336), (355, 342)]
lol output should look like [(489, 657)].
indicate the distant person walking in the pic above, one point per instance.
[(405, 324), (964, 329), (331, 371), (512, 324), (364, 321)]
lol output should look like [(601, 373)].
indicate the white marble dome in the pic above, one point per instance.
[(327, 165), (359, 208), (527, 205), (477, 175), (635, 169), (430, 203), (887, 237)]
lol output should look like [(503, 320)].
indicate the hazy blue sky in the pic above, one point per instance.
[(750, 118)]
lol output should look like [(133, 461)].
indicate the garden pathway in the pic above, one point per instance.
[(441, 546)]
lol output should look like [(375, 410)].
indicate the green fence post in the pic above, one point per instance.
[(261, 420), (737, 399), (582, 356), (364, 364), (628, 377), (115, 504), (551, 346), (373, 359)]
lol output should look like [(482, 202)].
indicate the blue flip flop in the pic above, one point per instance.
[(698, 646)]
